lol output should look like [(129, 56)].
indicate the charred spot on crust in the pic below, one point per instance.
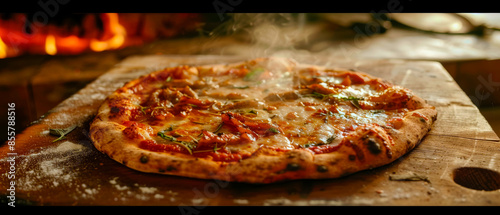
[(114, 109), (373, 146), (171, 168), (359, 152), (144, 159), (322, 168), (292, 167), (352, 157)]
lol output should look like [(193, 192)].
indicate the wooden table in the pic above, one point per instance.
[(73, 172)]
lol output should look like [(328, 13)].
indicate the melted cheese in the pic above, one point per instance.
[(298, 116), (358, 91)]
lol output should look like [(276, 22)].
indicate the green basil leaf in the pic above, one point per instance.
[(61, 133)]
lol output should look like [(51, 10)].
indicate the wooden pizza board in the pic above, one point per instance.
[(73, 172)]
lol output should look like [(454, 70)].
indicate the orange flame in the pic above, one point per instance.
[(3, 49), (119, 34), (50, 45)]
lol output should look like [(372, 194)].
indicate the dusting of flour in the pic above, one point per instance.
[(59, 167), (49, 165)]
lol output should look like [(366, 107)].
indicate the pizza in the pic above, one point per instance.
[(262, 120)]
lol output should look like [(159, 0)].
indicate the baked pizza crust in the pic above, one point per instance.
[(368, 146)]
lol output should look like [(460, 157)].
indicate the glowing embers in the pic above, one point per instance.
[(17, 39)]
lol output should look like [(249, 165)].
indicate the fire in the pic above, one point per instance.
[(3, 49), (21, 34), (12, 42), (118, 31), (72, 44), (50, 45)]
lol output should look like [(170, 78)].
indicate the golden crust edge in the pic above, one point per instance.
[(260, 168)]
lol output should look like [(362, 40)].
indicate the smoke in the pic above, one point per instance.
[(259, 35)]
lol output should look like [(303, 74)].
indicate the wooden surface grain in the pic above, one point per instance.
[(73, 172)]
